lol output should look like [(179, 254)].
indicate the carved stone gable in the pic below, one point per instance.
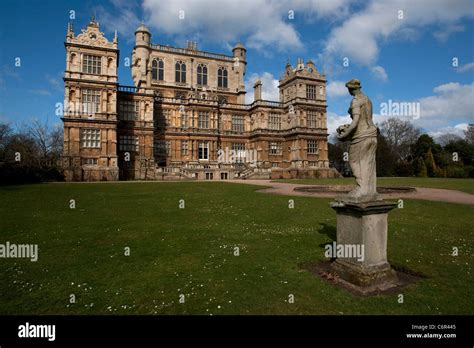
[(92, 36)]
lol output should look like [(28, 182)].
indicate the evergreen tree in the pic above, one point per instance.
[(423, 171), (430, 163), (419, 166)]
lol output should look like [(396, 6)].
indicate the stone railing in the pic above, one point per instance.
[(305, 100), (236, 106), (171, 49), (266, 103)]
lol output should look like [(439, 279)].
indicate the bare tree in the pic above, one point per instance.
[(49, 140), (56, 141), (469, 134), (5, 132), (447, 138), (30, 153), (5, 135), (400, 135)]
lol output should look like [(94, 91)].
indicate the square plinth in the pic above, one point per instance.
[(363, 225)]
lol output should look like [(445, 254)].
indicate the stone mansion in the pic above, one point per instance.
[(186, 116)]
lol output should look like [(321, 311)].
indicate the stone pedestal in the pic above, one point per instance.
[(364, 224)]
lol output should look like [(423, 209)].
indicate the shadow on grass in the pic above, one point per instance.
[(328, 230)]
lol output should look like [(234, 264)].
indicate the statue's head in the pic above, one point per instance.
[(353, 86)]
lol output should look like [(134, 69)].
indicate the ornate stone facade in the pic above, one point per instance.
[(186, 111)]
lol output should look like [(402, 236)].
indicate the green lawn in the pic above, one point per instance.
[(466, 185), (190, 251)]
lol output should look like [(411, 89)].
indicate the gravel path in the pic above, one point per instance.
[(430, 194)]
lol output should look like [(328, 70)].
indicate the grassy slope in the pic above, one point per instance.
[(190, 251), (466, 185)]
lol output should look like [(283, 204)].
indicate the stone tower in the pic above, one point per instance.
[(303, 92), (141, 67), (90, 99), (135, 114), (240, 63)]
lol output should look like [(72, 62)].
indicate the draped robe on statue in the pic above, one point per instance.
[(363, 148)]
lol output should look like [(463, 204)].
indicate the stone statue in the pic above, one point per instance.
[(362, 217), (363, 136)]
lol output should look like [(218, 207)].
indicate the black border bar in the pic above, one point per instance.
[(239, 329)]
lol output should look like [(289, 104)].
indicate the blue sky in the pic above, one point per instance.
[(402, 56)]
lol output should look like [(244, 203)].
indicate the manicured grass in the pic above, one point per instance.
[(466, 185), (191, 251)]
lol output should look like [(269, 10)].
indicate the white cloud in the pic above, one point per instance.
[(334, 120), (452, 100), (319, 8), (451, 104), (443, 35), (122, 18), (447, 87), (336, 89), (456, 130), (269, 87), (466, 67), (379, 73), (264, 23), (358, 37)]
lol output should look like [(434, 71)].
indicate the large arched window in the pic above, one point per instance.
[(157, 69), (222, 77), (180, 72), (202, 75)]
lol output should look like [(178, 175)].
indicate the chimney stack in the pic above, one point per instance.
[(300, 65), (257, 89)]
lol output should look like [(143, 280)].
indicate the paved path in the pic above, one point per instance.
[(430, 194)]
